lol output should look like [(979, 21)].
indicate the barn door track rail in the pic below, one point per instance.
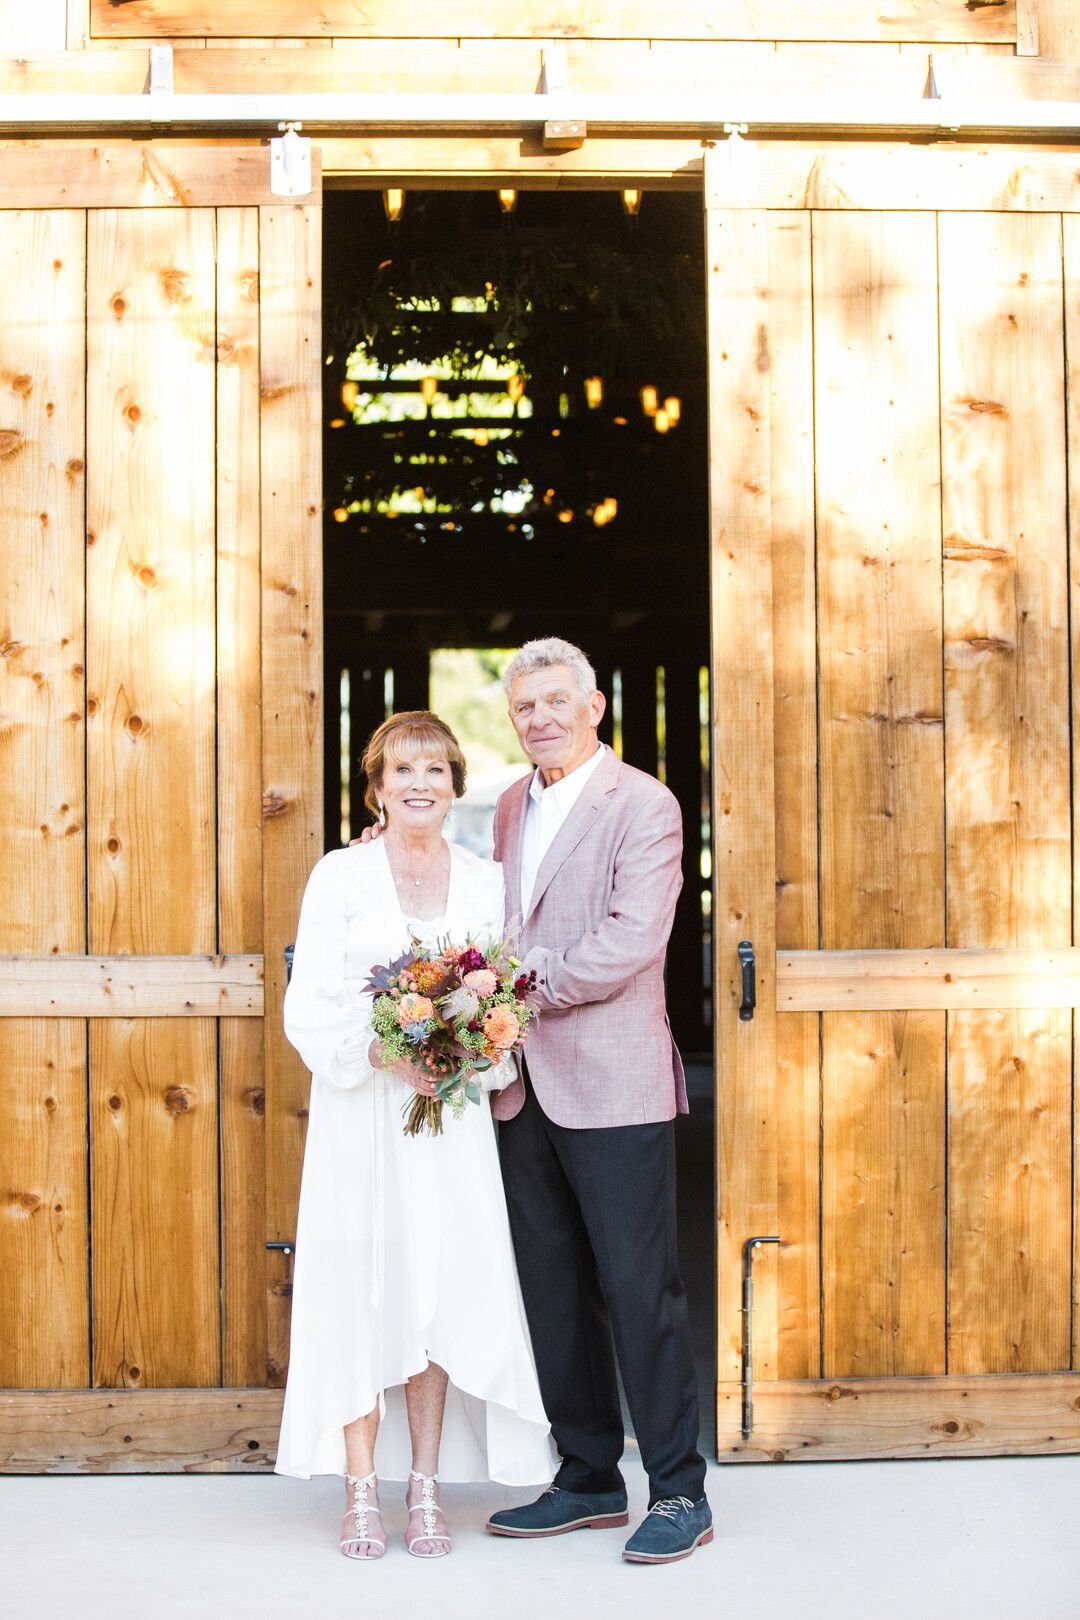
[(749, 1249)]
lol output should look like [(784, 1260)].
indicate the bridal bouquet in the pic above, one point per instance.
[(451, 1013)]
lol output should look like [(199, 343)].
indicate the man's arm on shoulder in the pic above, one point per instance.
[(648, 877)]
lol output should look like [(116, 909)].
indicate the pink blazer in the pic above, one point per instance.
[(601, 1052)]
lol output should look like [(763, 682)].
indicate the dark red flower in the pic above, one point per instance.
[(471, 960)]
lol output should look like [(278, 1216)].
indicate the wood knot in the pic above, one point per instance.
[(119, 306), (174, 286), (951, 1427), (255, 1101), (74, 467), (136, 1373), (25, 1203), (133, 414), (49, 1105), (178, 1100), (92, 706), (115, 1103), (10, 442), (113, 845), (226, 349), (22, 384), (273, 805), (134, 724)]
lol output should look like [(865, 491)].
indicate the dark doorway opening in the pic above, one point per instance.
[(516, 446)]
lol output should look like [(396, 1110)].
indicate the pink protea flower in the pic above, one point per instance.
[(414, 1010), (501, 1028), (482, 981)]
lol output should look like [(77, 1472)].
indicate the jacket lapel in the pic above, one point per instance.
[(588, 807), (517, 796)]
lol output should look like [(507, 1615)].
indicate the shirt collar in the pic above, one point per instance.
[(576, 777)]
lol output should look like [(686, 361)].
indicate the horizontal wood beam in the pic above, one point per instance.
[(594, 67), (663, 111), (132, 174), (828, 1420), (618, 19), (467, 162), (882, 981), (131, 986), (162, 1431)]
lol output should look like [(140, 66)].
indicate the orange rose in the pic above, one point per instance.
[(414, 1010), (501, 1027)]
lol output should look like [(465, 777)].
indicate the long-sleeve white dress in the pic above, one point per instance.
[(403, 1252)]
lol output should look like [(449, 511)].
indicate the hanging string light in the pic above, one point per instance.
[(673, 406), (429, 387), (508, 200), (649, 400), (631, 201), (349, 391), (661, 421), (394, 204), (594, 392)]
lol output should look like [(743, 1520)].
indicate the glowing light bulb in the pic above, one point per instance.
[(341, 514), (661, 421), (631, 201), (394, 204), (429, 387), (508, 200), (515, 386), (594, 392), (349, 391), (480, 437), (649, 400), (673, 406)]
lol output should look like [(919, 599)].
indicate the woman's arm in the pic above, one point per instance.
[(330, 1028)]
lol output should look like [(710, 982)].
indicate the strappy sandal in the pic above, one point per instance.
[(426, 1540), (357, 1538)]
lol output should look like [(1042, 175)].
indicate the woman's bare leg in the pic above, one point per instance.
[(361, 1496), (425, 1399)]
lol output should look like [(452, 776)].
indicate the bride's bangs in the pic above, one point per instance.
[(418, 737)]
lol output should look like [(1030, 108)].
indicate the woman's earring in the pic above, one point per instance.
[(382, 814)]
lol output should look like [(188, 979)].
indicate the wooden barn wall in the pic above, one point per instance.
[(924, 788)]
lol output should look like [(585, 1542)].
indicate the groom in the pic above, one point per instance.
[(591, 851)]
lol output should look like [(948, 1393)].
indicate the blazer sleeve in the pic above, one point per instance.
[(634, 935), (329, 1027)]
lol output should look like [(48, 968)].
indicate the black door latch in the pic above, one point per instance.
[(749, 980)]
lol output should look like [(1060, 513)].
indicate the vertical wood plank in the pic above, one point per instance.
[(1008, 787), (883, 1194), (737, 247), (1071, 258), (239, 593), (153, 1109), (882, 839), (1010, 1129), (151, 783), (1057, 27), (43, 1295), (791, 428), (150, 580), (290, 337)]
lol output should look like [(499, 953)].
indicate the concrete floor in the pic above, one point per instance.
[(841, 1541)]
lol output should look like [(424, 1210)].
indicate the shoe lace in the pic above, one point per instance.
[(669, 1507)]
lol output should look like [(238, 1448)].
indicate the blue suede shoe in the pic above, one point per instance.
[(558, 1511), (672, 1529)]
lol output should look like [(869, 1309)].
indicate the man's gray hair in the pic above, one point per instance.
[(544, 654)]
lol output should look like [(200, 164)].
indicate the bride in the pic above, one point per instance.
[(410, 1355)]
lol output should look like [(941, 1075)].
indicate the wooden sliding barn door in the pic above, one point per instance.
[(159, 630), (894, 704)]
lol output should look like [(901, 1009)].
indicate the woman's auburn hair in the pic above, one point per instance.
[(414, 731)]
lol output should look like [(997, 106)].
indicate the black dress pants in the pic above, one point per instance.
[(592, 1214)]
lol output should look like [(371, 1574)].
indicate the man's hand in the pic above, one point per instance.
[(368, 836)]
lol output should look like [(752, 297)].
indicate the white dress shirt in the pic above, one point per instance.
[(547, 809)]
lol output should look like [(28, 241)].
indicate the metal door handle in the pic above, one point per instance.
[(749, 980)]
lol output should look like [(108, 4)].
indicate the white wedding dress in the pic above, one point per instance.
[(403, 1250)]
